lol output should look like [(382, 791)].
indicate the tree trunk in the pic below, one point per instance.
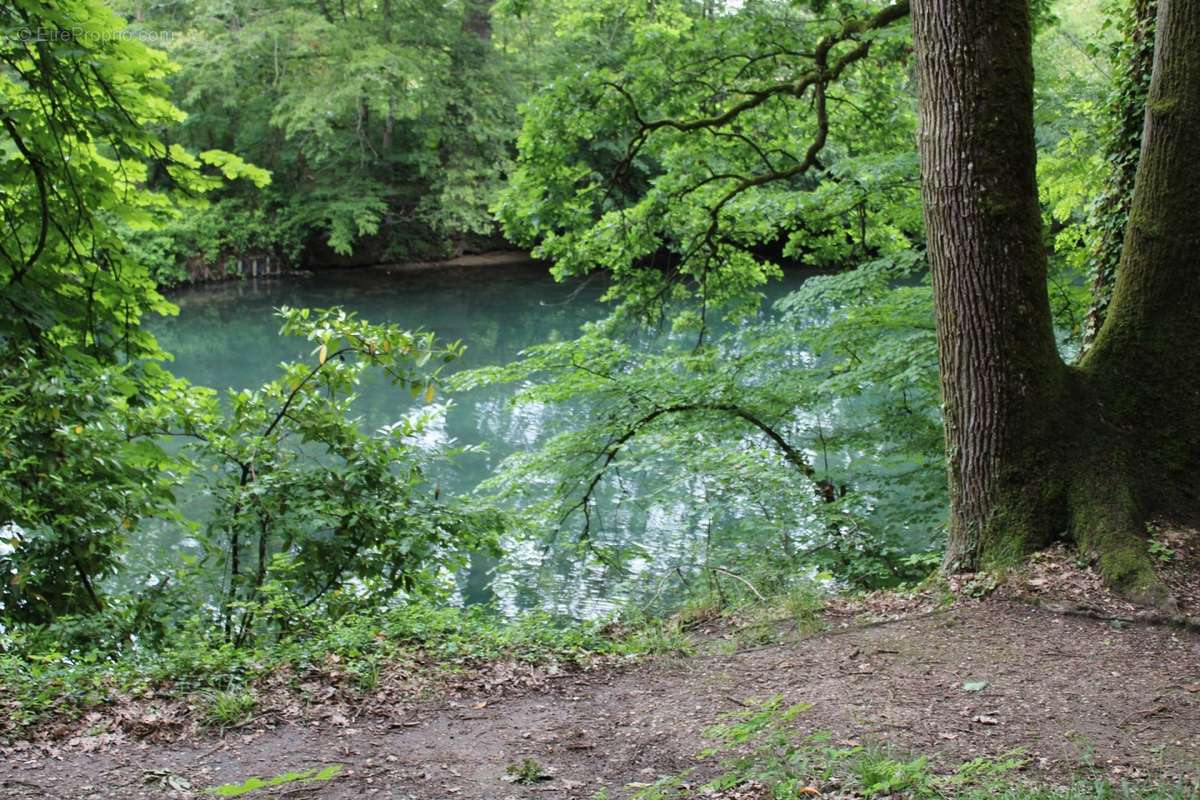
[(1143, 365), (478, 20), (1000, 370), (1038, 451)]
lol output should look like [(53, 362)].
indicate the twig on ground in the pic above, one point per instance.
[(271, 712), (210, 751)]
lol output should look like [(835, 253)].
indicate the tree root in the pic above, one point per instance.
[(1184, 621)]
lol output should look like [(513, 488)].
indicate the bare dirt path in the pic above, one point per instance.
[(1070, 691)]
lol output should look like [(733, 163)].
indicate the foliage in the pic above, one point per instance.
[(691, 155), (228, 707), (84, 106), (688, 158), (673, 153), (1091, 95), (1131, 55), (303, 500), (43, 674), (689, 150), (74, 480), (304, 777), (793, 464), (216, 235), (84, 103), (387, 126), (526, 772), (752, 607)]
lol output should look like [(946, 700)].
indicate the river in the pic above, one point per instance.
[(225, 336)]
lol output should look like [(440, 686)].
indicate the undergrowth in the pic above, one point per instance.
[(39, 678), (228, 707), (45, 674), (758, 605), (764, 752)]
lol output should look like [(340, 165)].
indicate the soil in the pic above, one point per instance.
[(1073, 692)]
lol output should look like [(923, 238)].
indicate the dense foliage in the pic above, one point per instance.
[(687, 152), (45, 674), (303, 500), (84, 105), (771, 433), (691, 158), (386, 126), (88, 411), (693, 149)]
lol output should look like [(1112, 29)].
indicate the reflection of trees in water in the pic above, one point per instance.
[(226, 336)]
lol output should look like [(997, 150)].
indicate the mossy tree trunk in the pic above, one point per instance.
[(1038, 450), (1143, 368)]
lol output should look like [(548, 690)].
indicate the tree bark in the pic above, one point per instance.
[(1139, 379), (1000, 370), (1036, 450), (1143, 365)]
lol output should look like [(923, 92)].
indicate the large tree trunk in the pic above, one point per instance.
[(1143, 366), (999, 366), (1036, 450)]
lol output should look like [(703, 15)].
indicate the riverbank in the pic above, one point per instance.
[(269, 267), (496, 258), (914, 686)]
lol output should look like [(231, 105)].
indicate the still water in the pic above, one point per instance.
[(225, 336)]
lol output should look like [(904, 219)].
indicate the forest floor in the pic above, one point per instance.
[(1077, 695)]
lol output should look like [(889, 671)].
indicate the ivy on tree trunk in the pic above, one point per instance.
[(1126, 110)]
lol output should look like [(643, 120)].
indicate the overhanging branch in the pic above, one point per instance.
[(616, 444), (826, 68)]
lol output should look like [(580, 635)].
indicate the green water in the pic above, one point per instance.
[(226, 337)]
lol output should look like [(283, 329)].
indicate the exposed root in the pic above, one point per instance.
[(1183, 621)]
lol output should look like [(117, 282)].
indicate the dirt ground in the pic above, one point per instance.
[(1072, 692)]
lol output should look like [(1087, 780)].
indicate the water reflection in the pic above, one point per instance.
[(225, 336)]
